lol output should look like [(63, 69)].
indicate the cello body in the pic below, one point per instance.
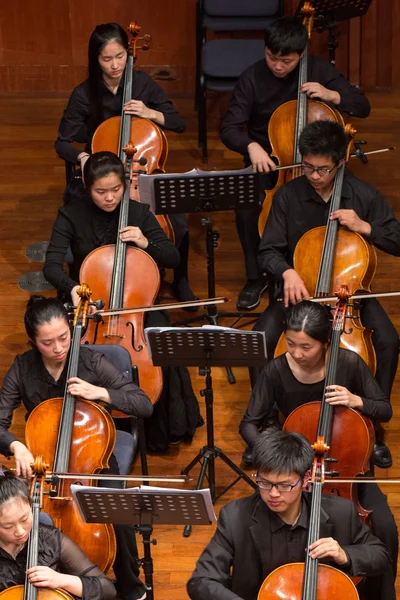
[(92, 443), (353, 458), (140, 288), (286, 583), (354, 263)]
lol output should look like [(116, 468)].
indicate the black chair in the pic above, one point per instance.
[(220, 62)]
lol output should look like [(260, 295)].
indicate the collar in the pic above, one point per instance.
[(39, 371), (308, 194), (277, 523)]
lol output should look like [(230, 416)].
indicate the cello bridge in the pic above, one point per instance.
[(108, 336)]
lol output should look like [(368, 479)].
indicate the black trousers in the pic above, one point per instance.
[(247, 228), (384, 338), (126, 563), (181, 230), (384, 527)]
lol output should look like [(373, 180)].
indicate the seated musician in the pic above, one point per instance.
[(304, 203), (260, 90), (100, 97), (40, 374), (61, 563), (257, 534), (91, 221), (297, 377)]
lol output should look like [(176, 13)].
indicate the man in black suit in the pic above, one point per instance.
[(257, 534)]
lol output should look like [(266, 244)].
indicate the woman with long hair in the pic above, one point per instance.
[(100, 97)]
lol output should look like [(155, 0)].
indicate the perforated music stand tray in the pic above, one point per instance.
[(207, 347), (144, 507)]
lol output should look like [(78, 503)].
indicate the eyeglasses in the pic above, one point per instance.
[(280, 487), (309, 170)]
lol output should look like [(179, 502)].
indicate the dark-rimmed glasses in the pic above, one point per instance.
[(280, 487), (309, 170)]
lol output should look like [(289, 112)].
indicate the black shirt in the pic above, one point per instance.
[(83, 226), (77, 123), (258, 93), (277, 385), (297, 208), (60, 553), (29, 381)]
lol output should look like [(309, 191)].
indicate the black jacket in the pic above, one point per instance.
[(240, 555)]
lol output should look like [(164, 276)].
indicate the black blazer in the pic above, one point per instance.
[(237, 559)]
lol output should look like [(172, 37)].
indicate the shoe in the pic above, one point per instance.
[(250, 295), (247, 456), (183, 293), (381, 456)]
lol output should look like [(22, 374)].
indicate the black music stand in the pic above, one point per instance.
[(329, 12), (208, 347), (144, 507), (208, 191)]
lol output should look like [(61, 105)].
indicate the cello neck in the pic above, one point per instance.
[(326, 412), (310, 580), (61, 458), (301, 117), (118, 275), (125, 128), (30, 591), (323, 285)]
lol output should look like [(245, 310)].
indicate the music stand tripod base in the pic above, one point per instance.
[(206, 347)]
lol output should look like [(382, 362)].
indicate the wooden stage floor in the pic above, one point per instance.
[(31, 186)]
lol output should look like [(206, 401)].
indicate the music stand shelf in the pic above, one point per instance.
[(143, 508)]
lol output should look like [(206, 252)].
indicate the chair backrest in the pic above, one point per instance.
[(241, 8), (239, 15), (117, 356)]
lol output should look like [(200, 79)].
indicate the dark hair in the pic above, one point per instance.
[(101, 164), (324, 138), (285, 36), (101, 36), (282, 452), (40, 310), (12, 487), (310, 317)]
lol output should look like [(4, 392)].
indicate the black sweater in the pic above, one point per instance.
[(83, 226)]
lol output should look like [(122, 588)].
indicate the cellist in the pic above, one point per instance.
[(61, 563), (91, 221), (100, 97), (40, 374), (303, 204), (261, 89), (298, 377), (261, 532)]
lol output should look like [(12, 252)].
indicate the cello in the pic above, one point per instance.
[(288, 121), (149, 140), (74, 436), (29, 591), (327, 257), (310, 580), (109, 269), (349, 435)]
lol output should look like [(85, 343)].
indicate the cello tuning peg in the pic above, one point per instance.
[(329, 459), (332, 473)]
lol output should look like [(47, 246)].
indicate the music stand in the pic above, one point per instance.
[(144, 507), (208, 191), (208, 347), (329, 12)]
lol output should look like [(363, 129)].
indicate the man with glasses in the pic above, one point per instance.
[(262, 532), (301, 205), (260, 90)]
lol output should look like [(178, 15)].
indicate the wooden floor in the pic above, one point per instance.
[(31, 186)]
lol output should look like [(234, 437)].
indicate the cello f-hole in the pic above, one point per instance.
[(140, 348)]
